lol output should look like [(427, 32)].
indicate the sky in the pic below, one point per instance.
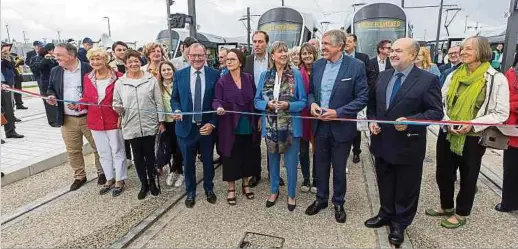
[(141, 20)]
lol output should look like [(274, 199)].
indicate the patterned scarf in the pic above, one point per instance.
[(279, 132)]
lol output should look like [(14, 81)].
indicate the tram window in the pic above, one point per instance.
[(287, 32), (371, 31), (307, 35)]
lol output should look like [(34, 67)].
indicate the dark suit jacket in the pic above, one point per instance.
[(369, 70), (81, 55), (418, 98), (444, 67), (249, 65), (56, 87), (181, 98), (349, 95), (29, 56), (376, 68)]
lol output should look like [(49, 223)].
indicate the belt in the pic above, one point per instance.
[(76, 116)]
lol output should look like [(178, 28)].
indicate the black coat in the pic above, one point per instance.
[(418, 98), (376, 68), (41, 66), (369, 70), (56, 87), (249, 65)]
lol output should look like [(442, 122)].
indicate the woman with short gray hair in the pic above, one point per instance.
[(474, 93), (281, 95)]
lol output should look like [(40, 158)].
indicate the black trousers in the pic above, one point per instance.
[(50, 110), (399, 187), (357, 143), (7, 107), (18, 85), (127, 147), (144, 153), (510, 184), (169, 137), (469, 165)]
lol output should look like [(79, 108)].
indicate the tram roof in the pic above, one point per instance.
[(201, 36), (308, 19)]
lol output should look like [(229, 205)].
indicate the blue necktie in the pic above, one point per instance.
[(197, 98), (395, 88)]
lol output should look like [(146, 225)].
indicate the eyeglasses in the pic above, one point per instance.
[(198, 56)]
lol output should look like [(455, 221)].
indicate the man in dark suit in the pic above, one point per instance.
[(381, 62), (405, 92), (87, 45), (66, 83), (193, 91), (453, 59), (255, 64), (350, 50), (33, 53), (338, 89)]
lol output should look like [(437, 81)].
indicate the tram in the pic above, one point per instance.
[(378, 21), (289, 25), (210, 41)]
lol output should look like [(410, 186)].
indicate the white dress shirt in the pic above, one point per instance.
[(73, 88), (381, 64), (260, 65), (193, 85)]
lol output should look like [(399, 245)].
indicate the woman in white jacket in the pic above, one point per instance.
[(138, 100), (477, 93)]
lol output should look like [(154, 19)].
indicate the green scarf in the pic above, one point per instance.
[(462, 107)]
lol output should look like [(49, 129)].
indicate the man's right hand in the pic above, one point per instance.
[(374, 128), (52, 100), (177, 116), (316, 110)]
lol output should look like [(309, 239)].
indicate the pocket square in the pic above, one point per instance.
[(346, 79)]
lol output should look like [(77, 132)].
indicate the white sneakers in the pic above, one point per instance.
[(346, 170), (174, 179)]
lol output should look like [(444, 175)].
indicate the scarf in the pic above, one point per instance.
[(279, 132), (461, 107)]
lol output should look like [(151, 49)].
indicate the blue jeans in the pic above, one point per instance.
[(291, 160)]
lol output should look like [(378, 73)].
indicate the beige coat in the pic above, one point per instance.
[(498, 103)]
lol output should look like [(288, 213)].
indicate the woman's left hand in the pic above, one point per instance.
[(282, 105), (465, 129), (161, 128)]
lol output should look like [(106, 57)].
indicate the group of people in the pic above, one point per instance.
[(294, 101)]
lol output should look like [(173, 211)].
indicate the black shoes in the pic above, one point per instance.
[(153, 188), (218, 161), (77, 184), (17, 120), (21, 107), (3, 142), (271, 203), (190, 201), (315, 208), (500, 208), (14, 135), (376, 222), (101, 179), (356, 158), (211, 197), (254, 181), (143, 192), (291, 207), (281, 181), (340, 215), (396, 237)]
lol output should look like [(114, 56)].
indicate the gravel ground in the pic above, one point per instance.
[(224, 226), (84, 218), (20, 193), (486, 228)]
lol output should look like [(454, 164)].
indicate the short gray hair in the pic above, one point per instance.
[(71, 49), (197, 45), (337, 37), (482, 48)]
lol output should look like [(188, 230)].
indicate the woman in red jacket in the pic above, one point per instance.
[(510, 183), (104, 121)]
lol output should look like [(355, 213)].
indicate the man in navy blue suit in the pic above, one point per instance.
[(404, 92), (338, 89), (193, 91)]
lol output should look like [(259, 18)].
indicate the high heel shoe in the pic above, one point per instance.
[(291, 207), (271, 203), (249, 195), (231, 201)]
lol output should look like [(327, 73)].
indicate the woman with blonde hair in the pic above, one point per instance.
[(155, 53), (295, 57), (424, 61), (281, 94), (473, 93), (103, 121)]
